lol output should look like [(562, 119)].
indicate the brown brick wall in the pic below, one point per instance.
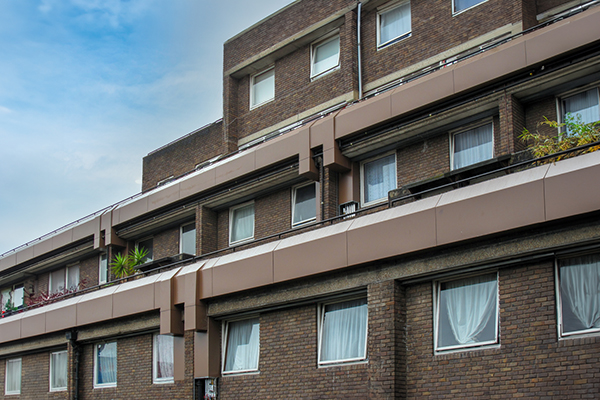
[(535, 113), (183, 155), (166, 243), (206, 230), (423, 160)]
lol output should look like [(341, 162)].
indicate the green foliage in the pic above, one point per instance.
[(123, 266), (572, 133)]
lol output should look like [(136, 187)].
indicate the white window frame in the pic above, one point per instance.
[(463, 129), (294, 193), (181, 237), (559, 305), (398, 38), (231, 213), (144, 239), (560, 108), (17, 391), (252, 84), (436, 312), (466, 9), (313, 49), (11, 293), (155, 378), (52, 370), (224, 344), (362, 179), (320, 326), (65, 274), (103, 266), (109, 384)]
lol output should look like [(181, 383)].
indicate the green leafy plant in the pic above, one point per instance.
[(124, 266), (572, 133)]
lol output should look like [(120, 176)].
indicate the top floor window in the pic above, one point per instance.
[(241, 223), (187, 240), (378, 177), (583, 105), (393, 24), (325, 56), (262, 88), (461, 5), (304, 204), (64, 279), (148, 244), (12, 298), (472, 146)]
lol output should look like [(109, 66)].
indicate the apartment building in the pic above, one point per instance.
[(364, 222)]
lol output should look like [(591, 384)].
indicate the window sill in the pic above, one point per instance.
[(254, 107), (344, 363), (240, 373), (394, 41), (466, 349), (324, 73)]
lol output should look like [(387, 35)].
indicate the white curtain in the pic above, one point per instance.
[(380, 178), (57, 281), (580, 289), (242, 226), (470, 304), (326, 56), (344, 331), (5, 298), (164, 356), (263, 87), (584, 104), (59, 370), (73, 277), (473, 146), (13, 376), (394, 23), (243, 344), (106, 371), (305, 206), (460, 5)]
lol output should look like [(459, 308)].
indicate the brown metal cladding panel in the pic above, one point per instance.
[(490, 65), (63, 317), (423, 91), (94, 310), (236, 166), (10, 329), (311, 253), (493, 206), (133, 300), (42, 247), (206, 282), (573, 186), (163, 197), (164, 289), (285, 146), (86, 229), (197, 183), (33, 324), (135, 208), (564, 36), (62, 239), (363, 115), (322, 132), (25, 254), (8, 261), (106, 221), (246, 270), (393, 232)]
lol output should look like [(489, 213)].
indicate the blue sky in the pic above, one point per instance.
[(89, 87)]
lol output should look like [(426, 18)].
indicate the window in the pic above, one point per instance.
[(12, 298), (187, 240), (12, 384), (64, 279), (105, 365), (467, 312), (579, 294), (304, 204), (582, 105), (393, 24), (343, 332), (378, 177), (103, 269), (262, 88), (325, 56), (242, 346), (147, 244), (58, 371), (241, 223), (461, 5), (162, 364), (472, 146)]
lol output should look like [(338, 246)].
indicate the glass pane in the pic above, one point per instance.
[(460, 5), (394, 23), (106, 363), (242, 224), (305, 205), (57, 281), (73, 277), (264, 87), (473, 146), (326, 56), (103, 272), (379, 178), (147, 244), (243, 345), (583, 105), (188, 239), (468, 311), (163, 357), (344, 331), (13, 376), (58, 370), (17, 296)]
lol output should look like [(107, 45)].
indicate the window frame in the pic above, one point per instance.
[(225, 342), (109, 384), (145, 239), (181, 237), (321, 42), (436, 315), (320, 325), (65, 278), (465, 9), (52, 370), (294, 194), (466, 128), (103, 266), (17, 391), (231, 214), (252, 84), (560, 107), (385, 10), (155, 378), (362, 178)]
